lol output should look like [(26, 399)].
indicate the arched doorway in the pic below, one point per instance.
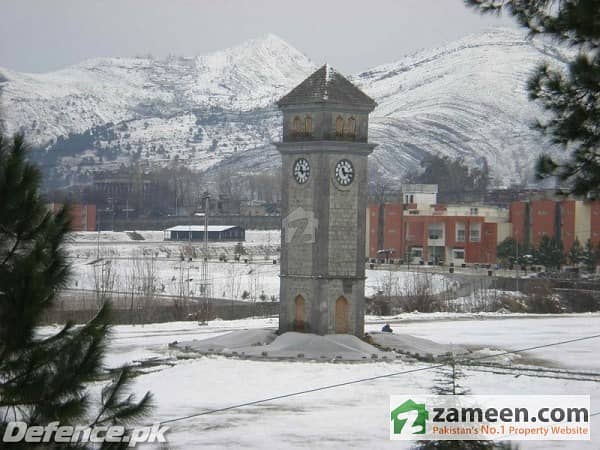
[(341, 316), (299, 315)]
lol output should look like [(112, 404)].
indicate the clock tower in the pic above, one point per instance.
[(324, 155)]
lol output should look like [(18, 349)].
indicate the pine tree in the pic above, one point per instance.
[(507, 250), (447, 382), (549, 253), (575, 255), (590, 257), (573, 98), (45, 379)]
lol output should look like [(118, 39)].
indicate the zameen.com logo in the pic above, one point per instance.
[(487, 417)]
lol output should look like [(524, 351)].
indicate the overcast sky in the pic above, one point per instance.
[(352, 35)]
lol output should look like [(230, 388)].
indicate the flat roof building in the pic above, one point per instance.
[(196, 233)]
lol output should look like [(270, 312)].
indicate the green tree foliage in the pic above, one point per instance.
[(590, 257), (45, 379), (572, 98), (455, 179), (549, 253), (507, 250), (510, 251), (575, 255), (448, 382)]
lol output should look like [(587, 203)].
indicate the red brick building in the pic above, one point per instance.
[(436, 233), (83, 217), (429, 232), (566, 220)]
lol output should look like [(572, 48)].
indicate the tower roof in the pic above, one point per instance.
[(327, 85)]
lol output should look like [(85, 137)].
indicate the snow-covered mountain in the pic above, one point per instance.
[(217, 111)]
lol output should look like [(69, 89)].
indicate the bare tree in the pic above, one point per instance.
[(419, 294), (141, 279), (104, 277)]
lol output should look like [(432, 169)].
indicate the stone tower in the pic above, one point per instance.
[(324, 199)]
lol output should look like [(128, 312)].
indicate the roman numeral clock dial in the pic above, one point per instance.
[(301, 170), (344, 172)]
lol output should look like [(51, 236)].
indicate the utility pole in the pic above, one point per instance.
[(189, 258), (204, 276), (112, 212), (98, 238), (517, 263)]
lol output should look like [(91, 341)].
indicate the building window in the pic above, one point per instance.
[(474, 211), (339, 126), (416, 252), (297, 125), (475, 232), (458, 253), (351, 127), (436, 231), (460, 232), (308, 126)]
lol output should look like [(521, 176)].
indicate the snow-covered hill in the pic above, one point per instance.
[(465, 99)]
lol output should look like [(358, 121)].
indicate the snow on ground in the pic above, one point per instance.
[(132, 260), (393, 282), (514, 333), (230, 279), (354, 416), (111, 237), (265, 344)]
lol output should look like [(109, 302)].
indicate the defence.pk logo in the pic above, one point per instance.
[(409, 419)]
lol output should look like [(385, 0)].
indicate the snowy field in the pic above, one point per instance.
[(123, 263), (347, 417)]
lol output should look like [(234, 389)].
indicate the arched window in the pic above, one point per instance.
[(297, 125), (308, 126), (341, 316), (299, 314), (351, 127), (339, 126)]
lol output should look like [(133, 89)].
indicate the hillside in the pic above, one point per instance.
[(466, 99)]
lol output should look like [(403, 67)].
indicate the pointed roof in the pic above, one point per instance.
[(327, 85)]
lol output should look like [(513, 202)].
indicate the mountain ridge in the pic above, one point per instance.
[(212, 110)]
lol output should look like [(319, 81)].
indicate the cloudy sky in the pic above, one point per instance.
[(352, 35)]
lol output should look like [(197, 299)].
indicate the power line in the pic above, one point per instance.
[(377, 377)]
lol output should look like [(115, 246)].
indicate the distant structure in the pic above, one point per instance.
[(423, 233), (419, 194), (564, 219), (83, 217), (196, 233), (419, 230), (324, 198)]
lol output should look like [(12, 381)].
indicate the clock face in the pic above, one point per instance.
[(344, 172), (301, 170)]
